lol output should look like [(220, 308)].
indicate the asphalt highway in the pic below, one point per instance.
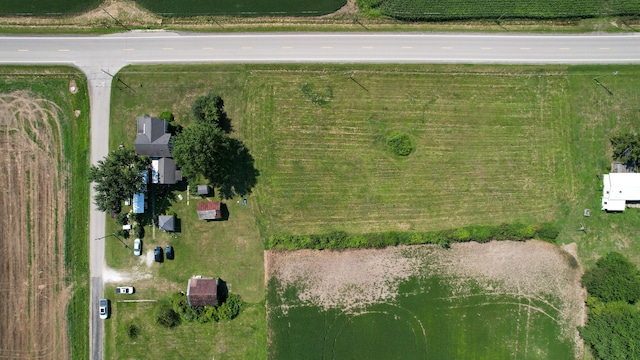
[(112, 52), (100, 56)]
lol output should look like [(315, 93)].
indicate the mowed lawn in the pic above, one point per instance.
[(491, 142), (491, 147)]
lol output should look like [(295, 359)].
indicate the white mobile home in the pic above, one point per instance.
[(618, 189)]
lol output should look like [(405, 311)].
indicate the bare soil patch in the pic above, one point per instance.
[(353, 279), (33, 322)]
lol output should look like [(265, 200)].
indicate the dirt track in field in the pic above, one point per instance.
[(353, 279), (33, 297)]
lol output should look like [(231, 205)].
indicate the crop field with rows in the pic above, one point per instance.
[(46, 7), (242, 7), (485, 9)]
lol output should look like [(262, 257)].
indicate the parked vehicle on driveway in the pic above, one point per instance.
[(169, 252), (104, 308), (137, 247), (126, 290), (157, 253)]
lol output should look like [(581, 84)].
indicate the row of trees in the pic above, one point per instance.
[(613, 328)]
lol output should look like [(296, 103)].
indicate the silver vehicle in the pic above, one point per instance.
[(104, 309), (137, 247)]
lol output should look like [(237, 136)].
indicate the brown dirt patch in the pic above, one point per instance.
[(353, 279), (32, 288)]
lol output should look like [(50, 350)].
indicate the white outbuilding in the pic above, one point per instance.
[(618, 189)]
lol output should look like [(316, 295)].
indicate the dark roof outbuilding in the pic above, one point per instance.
[(202, 292)]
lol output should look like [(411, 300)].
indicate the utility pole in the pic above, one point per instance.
[(120, 81), (601, 84), (116, 236)]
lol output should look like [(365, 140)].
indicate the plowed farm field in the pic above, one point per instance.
[(32, 289)]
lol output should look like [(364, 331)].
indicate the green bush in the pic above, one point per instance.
[(228, 310), (400, 144), (167, 317), (341, 240), (167, 115), (614, 278), (133, 331)]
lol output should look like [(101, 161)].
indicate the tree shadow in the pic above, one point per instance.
[(240, 175), (224, 212), (223, 291)]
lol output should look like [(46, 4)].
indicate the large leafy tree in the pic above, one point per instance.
[(626, 148), (613, 331), (614, 278), (202, 149), (210, 109), (117, 177)]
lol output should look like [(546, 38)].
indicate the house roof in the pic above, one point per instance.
[(203, 189), (153, 139), (167, 173), (202, 291), (167, 222), (209, 210), (618, 189)]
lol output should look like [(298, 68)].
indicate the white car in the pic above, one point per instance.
[(127, 290), (137, 247), (104, 309)]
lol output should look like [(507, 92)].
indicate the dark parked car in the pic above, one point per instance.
[(168, 252), (157, 252)]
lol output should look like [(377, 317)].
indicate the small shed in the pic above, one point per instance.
[(209, 210), (202, 292), (203, 190), (167, 223)]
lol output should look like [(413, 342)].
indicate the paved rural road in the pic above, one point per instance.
[(99, 56)]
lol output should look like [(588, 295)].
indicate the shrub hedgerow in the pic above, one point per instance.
[(338, 240)]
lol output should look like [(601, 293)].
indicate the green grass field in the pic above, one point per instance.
[(243, 8), (46, 8), (420, 325), (435, 315), (493, 144), (533, 9), (52, 83)]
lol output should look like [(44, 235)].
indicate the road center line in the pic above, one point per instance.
[(207, 48), (247, 47), (525, 48), (485, 48), (23, 50), (563, 49), (167, 48), (63, 49), (128, 49), (447, 47), (604, 49), (327, 47), (407, 47), (287, 47), (367, 47)]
